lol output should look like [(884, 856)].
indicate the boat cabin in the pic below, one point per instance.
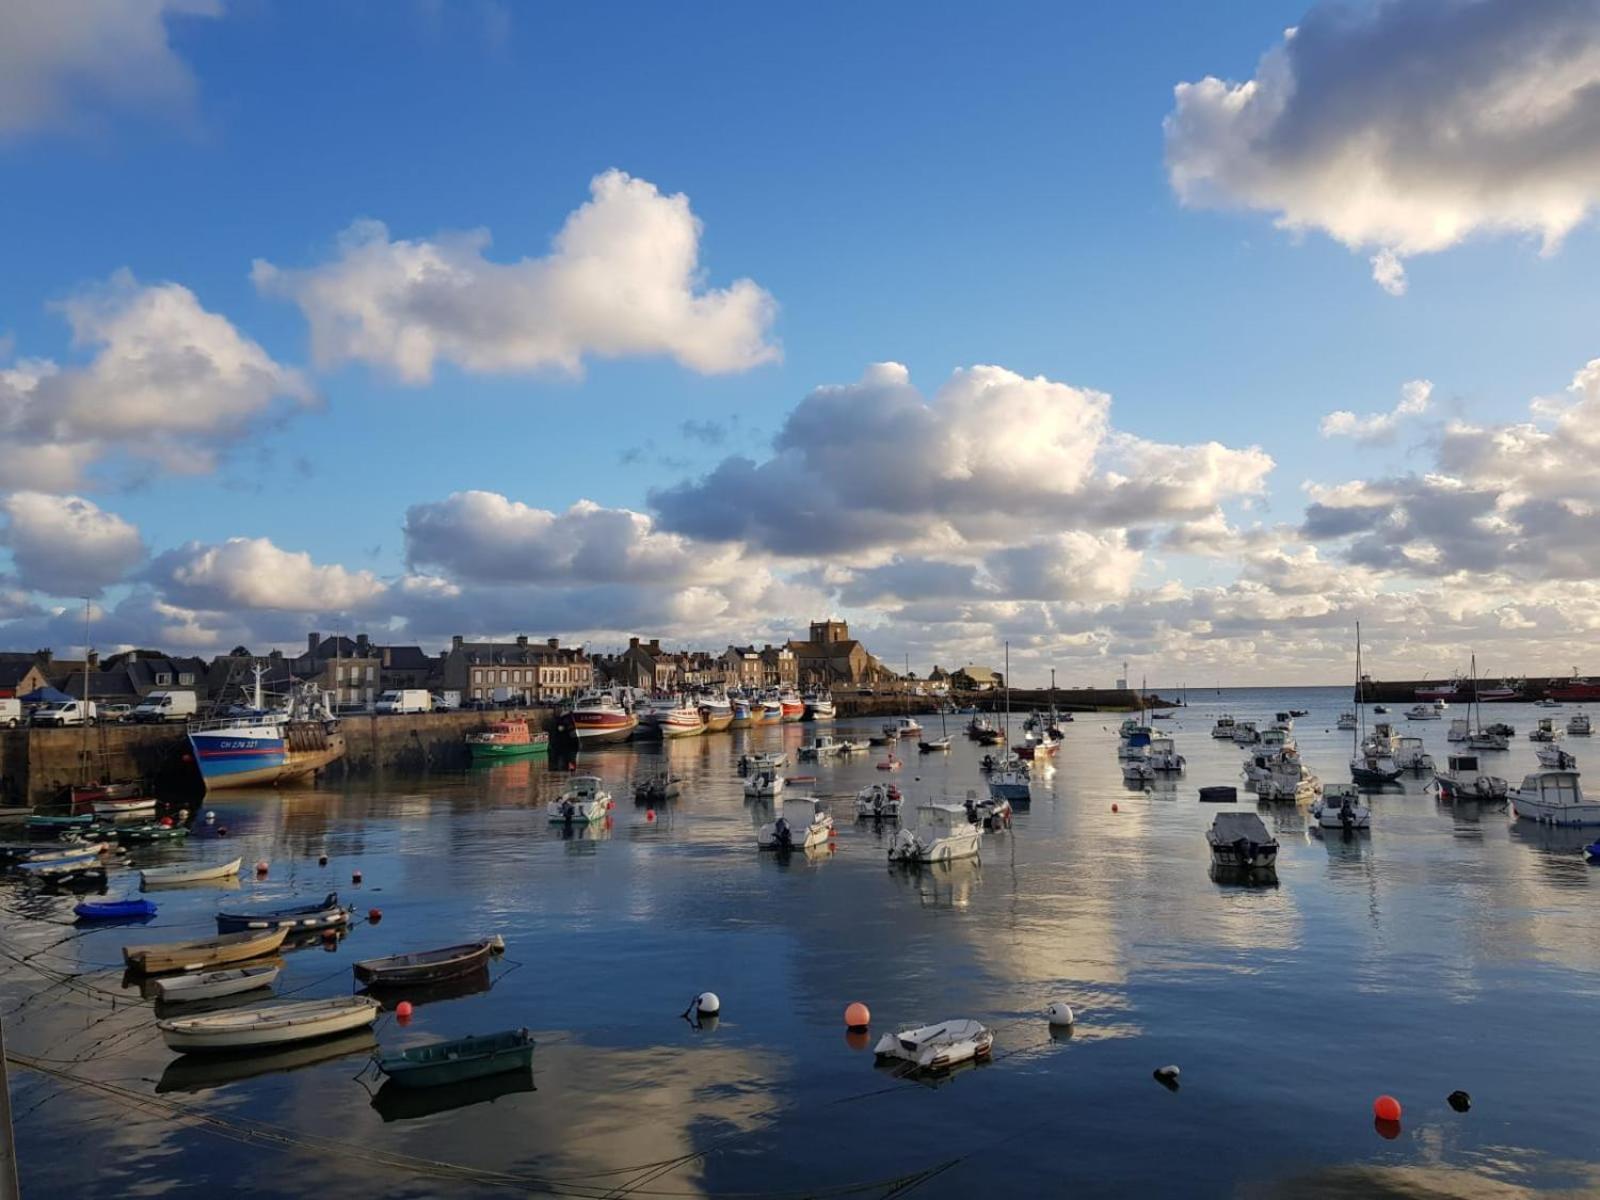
[(1557, 788), (1463, 764), (586, 787)]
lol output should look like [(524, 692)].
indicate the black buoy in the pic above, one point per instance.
[(1167, 1077), (1459, 1100)]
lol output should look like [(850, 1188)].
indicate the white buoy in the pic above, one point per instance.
[(497, 944), (1060, 1013), (211, 814), (1167, 1074), (706, 1004)]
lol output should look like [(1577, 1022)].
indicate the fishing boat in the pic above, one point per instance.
[(200, 954), (213, 985), (943, 833), (1546, 731), (716, 712), (598, 717), (584, 802), (1554, 797), (791, 707), (657, 789), (936, 1047), (325, 914), (782, 835), (1578, 725), (1340, 807), (1245, 733), (115, 910), (742, 713), (1463, 779), (878, 801), (439, 1064), (1553, 758), (269, 1025), (903, 727), (506, 739), (427, 966), (1411, 756), (1422, 712), (771, 711), (1223, 729), (154, 876), (1281, 776), (765, 783), (1346, 721), (820, 707), (1163, 758), (298, 740), (1239, 841)]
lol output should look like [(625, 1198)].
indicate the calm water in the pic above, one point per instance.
[(1447, 949)]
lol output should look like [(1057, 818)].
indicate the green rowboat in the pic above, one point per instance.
[(455, 1062)]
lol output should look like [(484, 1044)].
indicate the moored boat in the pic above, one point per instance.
[(1239, 841), (213, 985), (791, 707), (195, 874), (716, 712), (783, 835), (1554, 797), (115, 910), (1340, 807), (426, 966), (878, 801), (269, 1025), (586, 801), (1578, 725), (820, 707), (201, 953), (764, 782), (1464, 780), (297, 741), (506, 739), (1223, 729), (442, 1063), (598, 717), (325, 914), (943, 833), (937, 1047)]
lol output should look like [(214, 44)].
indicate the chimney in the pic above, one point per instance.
[(92, 662), (363, 645), (456, 642), (311, 642), (522, 640), (553, 643), (633, 643), (655, 645)]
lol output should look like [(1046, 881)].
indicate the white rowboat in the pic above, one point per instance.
[(216, 984), (189, 874), (270, 1025)]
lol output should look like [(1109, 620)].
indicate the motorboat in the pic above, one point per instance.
[(716, 712), (1422, 712), (821, 745), (993, 813), (326, 913), (878, 801), (936, 1047), (269, 1025), (441, 1064), (854, 746), (203, 953), (1373, 769), (422, 967), (1281, 776), (1380, 709), (782, 835), (820, 707), (1554, 797), (979, 727), (1578, 725), (1384, 740), (214, 985), (658, 788), (1347, 721), (584, 802), (1134, 738), (1283, 721), (1547, 702), (1341, 807), (156, 876), (1245, 733), (1411, 756), (764, 783), (943, 833), (1460, 730), (1489, 742), (1163, 757), (771, 761), (1464, 780), (1553, 758), (902, 727), (1240, 842), (1546, 731), (1011, 783), (1138, 771)]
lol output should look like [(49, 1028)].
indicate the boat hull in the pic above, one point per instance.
[(1583, 814), (301, 1022), (197, 956), (499, 752), (155, 876), (598, 728), (260, 756), (395, 972), (215, 985), (445, 1063)]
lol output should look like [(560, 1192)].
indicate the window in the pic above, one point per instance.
[(186, 678), (477, 677), (503, 677), (163, 678), (372, 673)]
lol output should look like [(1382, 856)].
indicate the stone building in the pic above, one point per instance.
[(349, 668), (544, 671), (741, 667), (21, 674), (646, 665), (830, 657), (977, 679), (779, 667)]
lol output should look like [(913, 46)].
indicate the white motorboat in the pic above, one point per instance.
[(821, 745), (1422, 712), (1554, 797), (1137, 770), (1383, 741), (1347, 721), (269, 1025), (1276, 739), (943, 833), (1282, 721), (1281, 776), (1240, 842), (1341, 807), (878, 801), (1464, 780), (935, 745), (1545, 732), (154, 876), (1578, 725), (993, 813), (1410, 755), (584, 802), (1553, 758), (1163, 758), (1486, 742), (1460, 730), (1547, 702), (215, 984), (1245, 733), (1223, 728), (936, 1047), (764, 783), (772, 761), (854, 746), (820, 708), (902, 727), (782, 834)]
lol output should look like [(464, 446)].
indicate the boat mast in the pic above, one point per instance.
[(1359, 734), (84, 723), (1008, 697)]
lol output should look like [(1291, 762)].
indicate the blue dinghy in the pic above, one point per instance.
[(115, 910)]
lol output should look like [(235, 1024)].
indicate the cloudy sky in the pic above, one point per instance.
[(1187, 335)]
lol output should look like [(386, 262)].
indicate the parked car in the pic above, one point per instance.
[(115, 712)]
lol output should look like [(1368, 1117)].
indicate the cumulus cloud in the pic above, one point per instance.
[(253, 573), (66, 545), (875, 464), (169, 384), (61, 62), (1406, 126), (623, 278), (1378, 428)]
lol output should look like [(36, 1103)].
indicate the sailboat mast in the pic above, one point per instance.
[(1361, 699), (1008, 694)]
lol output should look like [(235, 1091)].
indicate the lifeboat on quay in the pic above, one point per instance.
[(599, 717)]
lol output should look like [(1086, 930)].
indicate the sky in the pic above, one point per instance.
[(1180, 335)]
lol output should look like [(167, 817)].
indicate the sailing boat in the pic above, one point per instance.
[(1010, 782), (1369, 765), (1480, 738), (942, 742), (906, 726)]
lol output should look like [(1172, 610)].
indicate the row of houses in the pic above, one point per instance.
[(356, 670)]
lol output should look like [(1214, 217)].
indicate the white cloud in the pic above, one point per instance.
[(623, 278), (1378, 428), (253, 573), (66, 545), (169, 384), (1405, 127), (60, 61)]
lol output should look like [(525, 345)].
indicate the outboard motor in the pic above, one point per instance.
[(1347, 816), (566, 811), (782, 838)]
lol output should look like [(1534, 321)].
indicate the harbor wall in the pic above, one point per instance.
[(889, 704), (1404, 691)]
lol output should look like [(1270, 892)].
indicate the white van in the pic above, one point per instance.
[(10, 712), (64, 712), (405, 700), (166, 706)]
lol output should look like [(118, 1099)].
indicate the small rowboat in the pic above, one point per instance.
[(206, 952), (115, 910), (460, 1060), (55, 822), (216, 984), (323, 915), (151, 833), (159, 875), (130, 806), (426, 966), (936, 1047), (55, 863), (269, 1025)]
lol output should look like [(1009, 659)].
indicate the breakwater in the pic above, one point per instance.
[(889, 704), (1404, 691)]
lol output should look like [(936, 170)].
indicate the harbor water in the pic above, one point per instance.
[(1449, 948)]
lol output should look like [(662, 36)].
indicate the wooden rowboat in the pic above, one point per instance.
[(303, 918), (457, 1061), (425, 966), (203, 953), (158, 875), (215, 984), (269, 1025)]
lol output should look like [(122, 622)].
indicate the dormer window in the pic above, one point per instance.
[(163, 678)]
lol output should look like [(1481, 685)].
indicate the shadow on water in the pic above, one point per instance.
[(395, 1103)]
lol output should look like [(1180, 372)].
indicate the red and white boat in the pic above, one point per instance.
[(599, 717), (112, 800), (793, 707), (681, 720), (769, 712)]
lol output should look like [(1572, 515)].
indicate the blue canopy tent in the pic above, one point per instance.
[(45, 695)]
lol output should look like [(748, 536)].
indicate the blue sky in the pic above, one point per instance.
[(936, 185)]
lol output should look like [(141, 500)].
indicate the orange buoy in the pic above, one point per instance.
[(402, 1011), (857, 1016), (374, 915), (166, 822), (1386, 1108), (261, 867)]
